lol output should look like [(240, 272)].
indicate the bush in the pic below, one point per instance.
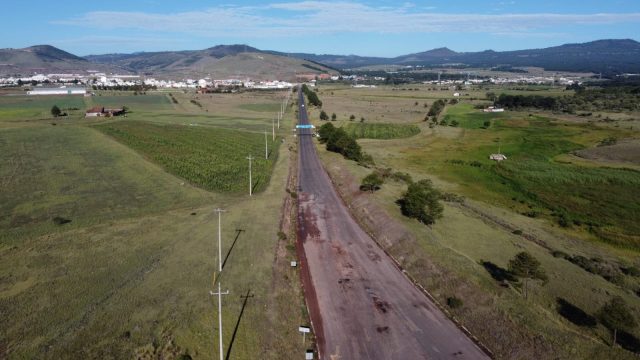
[(422, 202), (517, 232), (60, 220), (402, 176), (560, 254), (371, 182), (55, 111), (454, 303), (451, 197), (324, 116)]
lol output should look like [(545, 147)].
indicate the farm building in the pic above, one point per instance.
[(58, 91), (498, 157), (98, 111), (493, 109)]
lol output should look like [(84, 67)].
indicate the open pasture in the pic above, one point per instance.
[(80, 175), (22, 108), (529, 181)]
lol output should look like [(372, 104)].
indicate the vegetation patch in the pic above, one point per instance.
[(380, 130), (214, 159)]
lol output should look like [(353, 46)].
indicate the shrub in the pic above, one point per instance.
[(60, 220), (402, 176), (451, 197), (371, 182), (55, 111), (454, 302), (560, 254)]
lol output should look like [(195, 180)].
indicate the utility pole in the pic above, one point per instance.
[(273, 129), (250, 182), (220, 293), (266, 147), (219, 211)]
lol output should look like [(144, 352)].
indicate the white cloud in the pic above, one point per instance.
[(307, 18)]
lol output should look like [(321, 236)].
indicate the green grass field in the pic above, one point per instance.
[(214, 159), (23, 107), (78, 174), (380, 131), (268, 107)]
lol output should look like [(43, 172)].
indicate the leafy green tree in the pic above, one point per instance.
[(455, 123), (352, 117), (371, 182), (324, 116), (487, 124), (436, 108), (325, 131), (615, 315), (422, 201), (55, 111), (334, 117), (525, 266)]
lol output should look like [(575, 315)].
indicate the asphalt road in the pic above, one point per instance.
[(361, 305)]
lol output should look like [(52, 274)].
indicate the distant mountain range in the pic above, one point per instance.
[(45, 59), (603, 56)]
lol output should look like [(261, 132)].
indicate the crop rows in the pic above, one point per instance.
[(381, 131), (212, 158)]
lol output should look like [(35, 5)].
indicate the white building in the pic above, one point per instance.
[(492, 109), (58, 91), (498, 157)]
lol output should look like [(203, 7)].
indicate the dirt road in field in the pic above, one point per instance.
[(362, 306)]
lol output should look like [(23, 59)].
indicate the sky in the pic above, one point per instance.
[(367, 28)]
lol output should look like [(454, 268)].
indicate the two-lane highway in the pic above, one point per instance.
[(361, 304)]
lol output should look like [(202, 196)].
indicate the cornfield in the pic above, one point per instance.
[(211, 158)]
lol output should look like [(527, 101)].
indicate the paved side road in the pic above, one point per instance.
[(362, 306)]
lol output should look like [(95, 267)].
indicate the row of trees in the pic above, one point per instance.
[(337, 140), (325, 117), (528, 101), (612, 97), (312, 96)]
